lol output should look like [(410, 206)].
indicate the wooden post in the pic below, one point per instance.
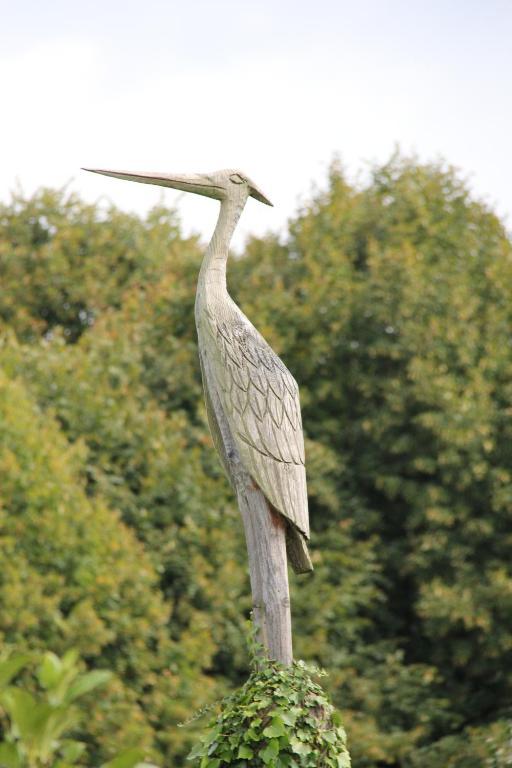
[(265, 534)]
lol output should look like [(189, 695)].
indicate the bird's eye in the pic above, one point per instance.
[(237, 179)]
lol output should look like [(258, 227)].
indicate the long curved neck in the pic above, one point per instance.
[(213, 268)]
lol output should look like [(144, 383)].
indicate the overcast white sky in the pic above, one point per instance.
[(275, 87)]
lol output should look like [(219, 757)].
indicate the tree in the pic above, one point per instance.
[(67, 576), (63, 262), (400, 294), (390, 303)]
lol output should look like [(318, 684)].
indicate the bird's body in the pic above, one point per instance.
[(252, 399)]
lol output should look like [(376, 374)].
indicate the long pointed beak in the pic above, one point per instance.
[(197, 183)]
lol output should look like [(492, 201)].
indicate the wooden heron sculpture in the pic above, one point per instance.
[(252, 401)]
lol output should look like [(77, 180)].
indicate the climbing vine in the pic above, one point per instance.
[(280, 718)]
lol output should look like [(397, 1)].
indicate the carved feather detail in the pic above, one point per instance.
[(260, 398)]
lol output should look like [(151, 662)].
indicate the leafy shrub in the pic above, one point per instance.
[(280, 718), (67, 576)]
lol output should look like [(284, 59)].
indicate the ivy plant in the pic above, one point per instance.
[(280, 718)]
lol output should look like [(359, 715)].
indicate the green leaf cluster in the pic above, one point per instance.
[(38, 727), (61, 267), (280, 718)]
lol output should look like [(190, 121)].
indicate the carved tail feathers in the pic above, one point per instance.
[(296, 542), (297, 550)]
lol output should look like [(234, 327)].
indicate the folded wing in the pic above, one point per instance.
[(260, 398)]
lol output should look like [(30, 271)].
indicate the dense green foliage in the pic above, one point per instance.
[(280, 718), (390, 302)]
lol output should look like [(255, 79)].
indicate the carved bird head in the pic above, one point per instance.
[(229, 184)]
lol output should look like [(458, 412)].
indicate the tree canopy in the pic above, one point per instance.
[(390, 302)]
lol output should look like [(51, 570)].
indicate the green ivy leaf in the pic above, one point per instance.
[(197, 751), (211, 749), (207, 762), (262, 703), (245, 752), (299, 747), (275, 729), (270, 752), (290, 717)]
